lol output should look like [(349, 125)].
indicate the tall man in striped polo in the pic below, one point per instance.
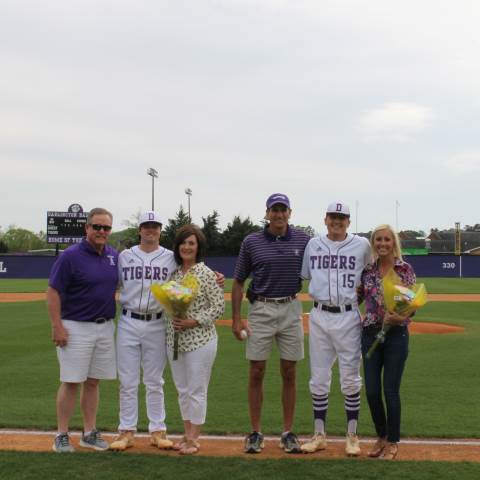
[(273, 258)]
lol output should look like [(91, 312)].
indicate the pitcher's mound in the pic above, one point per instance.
[(414, 328)]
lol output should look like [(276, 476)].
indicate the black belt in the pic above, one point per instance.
[(146, 317), (99, 320), (333, 309), (275, 300)]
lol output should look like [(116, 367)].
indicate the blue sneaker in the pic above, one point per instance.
[(289, 443), (62, 444), (93, 440), (254, 443)]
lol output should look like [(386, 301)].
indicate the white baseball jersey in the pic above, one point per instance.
[(334, 268), (137, 271)]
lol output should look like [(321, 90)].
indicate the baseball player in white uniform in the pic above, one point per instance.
[(333, 263), (141, 333)]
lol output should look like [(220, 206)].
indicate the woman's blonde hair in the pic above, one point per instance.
[(397, 249)]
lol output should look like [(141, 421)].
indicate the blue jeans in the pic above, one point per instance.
[(389, 356)]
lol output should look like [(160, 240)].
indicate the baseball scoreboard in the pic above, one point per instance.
[(66, 227)]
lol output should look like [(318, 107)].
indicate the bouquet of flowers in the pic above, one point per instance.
[(175, 298), (398, 299)]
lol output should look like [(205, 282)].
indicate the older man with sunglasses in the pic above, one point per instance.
[(81, 305)]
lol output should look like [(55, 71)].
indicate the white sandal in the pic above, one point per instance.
[(190, 447)]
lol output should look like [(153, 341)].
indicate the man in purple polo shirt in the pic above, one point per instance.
[(273, 258), (81, 305)]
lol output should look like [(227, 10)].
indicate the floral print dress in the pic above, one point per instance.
[(371, 291), (206, 308)]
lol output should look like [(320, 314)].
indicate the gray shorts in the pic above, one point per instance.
[(280, 322)]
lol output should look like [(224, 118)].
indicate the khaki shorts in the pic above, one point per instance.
[(89, 353), (280, 322)]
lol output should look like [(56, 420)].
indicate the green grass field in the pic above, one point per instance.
[(108, 466), (441, 369), (434, 285), (27, 285), (439, 394)]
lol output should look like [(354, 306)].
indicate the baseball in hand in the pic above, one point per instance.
[(243, 334)]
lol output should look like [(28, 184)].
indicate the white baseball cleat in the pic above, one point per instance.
[(352, 447), (317, 442), (159, 439), (123, 441)]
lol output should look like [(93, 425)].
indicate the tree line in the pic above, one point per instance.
[(219, 242)]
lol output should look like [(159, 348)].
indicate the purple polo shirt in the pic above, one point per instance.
[(86, 282), (273, 262)]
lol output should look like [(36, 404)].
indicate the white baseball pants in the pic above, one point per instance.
[(191, 374), (332, 336), (141, 344)]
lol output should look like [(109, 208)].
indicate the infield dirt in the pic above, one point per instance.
[(410, 449), (432, 297)]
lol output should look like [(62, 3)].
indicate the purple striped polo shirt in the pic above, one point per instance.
[(273, 262), (86, 282)]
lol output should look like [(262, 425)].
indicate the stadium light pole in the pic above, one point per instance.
[(188, 191), (154, 174)]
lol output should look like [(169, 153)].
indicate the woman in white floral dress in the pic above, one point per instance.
[(197, 343)]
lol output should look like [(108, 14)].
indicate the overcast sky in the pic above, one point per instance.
[(367, 102)]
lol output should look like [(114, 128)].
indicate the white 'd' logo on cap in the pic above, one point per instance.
[(339, 207), (151, 216)]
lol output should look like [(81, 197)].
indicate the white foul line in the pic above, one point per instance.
[(238, 438)]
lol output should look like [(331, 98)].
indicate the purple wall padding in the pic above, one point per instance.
[(471, 266), (226, 265), (436, 265), (30, 266)]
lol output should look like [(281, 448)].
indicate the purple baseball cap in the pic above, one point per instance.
[(275, 198)]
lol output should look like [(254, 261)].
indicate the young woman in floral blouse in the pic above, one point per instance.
[(392, 354), (197, 343)]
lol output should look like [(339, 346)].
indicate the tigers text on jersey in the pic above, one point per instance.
[(137, 271), (334, 268)]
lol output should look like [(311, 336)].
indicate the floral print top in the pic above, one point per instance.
[(206, 308), (371, 290)]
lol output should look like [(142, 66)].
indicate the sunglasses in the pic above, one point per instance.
[(97, 227)]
